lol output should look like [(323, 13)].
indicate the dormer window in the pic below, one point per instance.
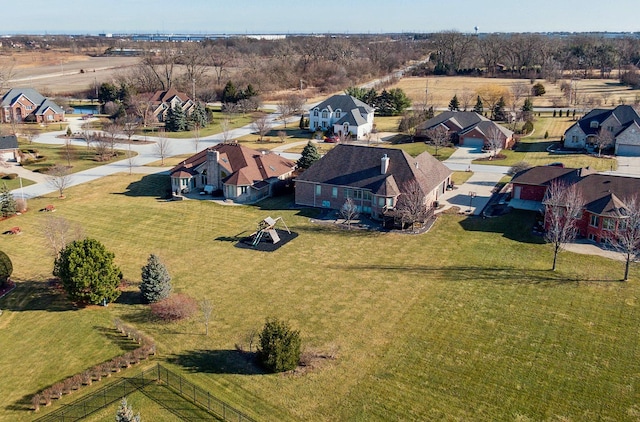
[(315, 112), (593, 124), (325, 114)]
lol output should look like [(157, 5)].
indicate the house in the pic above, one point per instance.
[(345, 114), (162, 101), (27, 104), (372, 177), (603, 195), (9, 148), (242, 174), (622, 122), (468, 129)]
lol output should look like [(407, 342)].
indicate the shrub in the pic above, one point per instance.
[(35, 401), (538, 90), (6, 268), (527, 127), (279, 348), (174, 308), (546, 135), (10, 176)]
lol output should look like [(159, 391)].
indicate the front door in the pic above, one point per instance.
[(516, 192)]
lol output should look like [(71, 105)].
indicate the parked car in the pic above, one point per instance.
[(557, 164), (332, 139)]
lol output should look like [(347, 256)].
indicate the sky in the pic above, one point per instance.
[(319, 16)]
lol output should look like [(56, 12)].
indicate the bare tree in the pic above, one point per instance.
[(563, 210), (112, 130), (603, 140), (225, 126), (129, 125), (495, 140), (142, 108), (6, 74), (466, 97), (102, 146), (206, 307), (162, 64), (349, 211), (625, 238), (131, 159), (163, 146), (261, 125), (31, 134), (58, 232), (411, 206), (438, 137), (282, 135), (284, 110), (59, 178)]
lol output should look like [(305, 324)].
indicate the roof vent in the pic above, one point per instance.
[(384, 164)]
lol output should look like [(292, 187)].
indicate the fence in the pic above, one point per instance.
[(123, 387)]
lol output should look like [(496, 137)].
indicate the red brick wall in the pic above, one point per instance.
[(531, 193)]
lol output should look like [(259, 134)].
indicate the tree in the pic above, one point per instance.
[(206, 307), (279, 348), (603, 140), (626, 236), (163, 146), (87, 272), (439, 137), (261, 125), (229, 93), (125, 412), (479, 108), (107, 92), (527, 110), (6, 268), (349, 211), (59, 178), (176, 120), (495, 140), (58, 232), (225, 129), (498, 112), (538, 90), (198, 117), (309, 156), (411, 206), (8, 205), (454, 104), (113, 129), (563, 209), (156, 281)]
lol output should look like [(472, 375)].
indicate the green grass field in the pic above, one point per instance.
[(465, 322)]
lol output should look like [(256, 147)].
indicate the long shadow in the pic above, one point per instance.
[(154, 185), (24, 403), (116, 338), (218, 362), (36, 296), (534, 146), (129, 297), (497, 275), (516, 225)]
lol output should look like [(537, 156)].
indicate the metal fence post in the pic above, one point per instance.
[(208, 400)]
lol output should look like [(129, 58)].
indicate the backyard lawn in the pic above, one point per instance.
[(465, 322)]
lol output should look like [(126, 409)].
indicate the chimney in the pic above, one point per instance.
[(384, 164)]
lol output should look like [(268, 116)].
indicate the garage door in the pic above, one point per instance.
[(6, 156), (472, 142), (628, 150)]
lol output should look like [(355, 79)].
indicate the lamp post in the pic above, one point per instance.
[(471, 196)]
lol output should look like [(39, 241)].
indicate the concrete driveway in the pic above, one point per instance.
[(627, 166)]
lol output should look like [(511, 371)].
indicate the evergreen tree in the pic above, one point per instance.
[(399, 100), (229, 93), (309, 156), (8, 205), (107, 93), (527, 106), (156, 281), (301, 124), (279, 348), (454, 104), (199, 116), (479, 107), (554, 113), (6, 268), (125, 413), (430, 113), (87, 272), (498, 110), (248, 93), (176, 120)]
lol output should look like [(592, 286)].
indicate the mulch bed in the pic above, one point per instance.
[(265, 245)]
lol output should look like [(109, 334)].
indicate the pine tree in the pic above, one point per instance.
[(229, 93), (301, 124), (156, 281), (279, 346), (199, 116), (309, 156), (8, 205), (454, 104), (176, 120), (125, 413), (479, 107), (527, 106), (498, 110)]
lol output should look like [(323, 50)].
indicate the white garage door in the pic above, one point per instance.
[(628, 150), (6, 156), (472, 142)]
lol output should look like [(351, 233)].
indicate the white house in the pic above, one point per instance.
[(345, 114), (623, 122)]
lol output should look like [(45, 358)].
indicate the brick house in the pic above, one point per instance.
[(467, 128), (603, 196), (162, 101), (28, 105), (372, 177), (242, 174)]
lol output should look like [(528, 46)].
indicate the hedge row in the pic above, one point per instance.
[(103, 370)]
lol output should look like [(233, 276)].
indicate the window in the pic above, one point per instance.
[(326, 204), (318, 190), (324, 124), (593, 221), (608, 224), (334, 192), (243, 190), (574, 139), (325, 114), (50, 117), (389, 202), (381, 202), (315, 112), (610, 129), (366, 195), (593, 124), (337, 114), (357, 194)]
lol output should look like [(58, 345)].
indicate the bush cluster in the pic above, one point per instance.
[(174, 308), (96, 373)]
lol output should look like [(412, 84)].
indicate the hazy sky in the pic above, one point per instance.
[(339, 16)]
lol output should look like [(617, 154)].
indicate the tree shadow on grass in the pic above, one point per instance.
[(36, 296), (155, 185), (113, 335), (516, 225), (218, 362), (129, 297), (22, 404), (496, 275)]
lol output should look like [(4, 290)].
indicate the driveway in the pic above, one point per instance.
[(627, 166)]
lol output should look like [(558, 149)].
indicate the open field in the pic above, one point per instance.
[(442, 88), (465, 322)]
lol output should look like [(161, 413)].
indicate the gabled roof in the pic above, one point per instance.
[(461, 119), (345, 103), (353, 117), (34, 96), (167, 96), (625, 114), (48, 104), (8, 142), (544, 175), (247, 166), (360, 167)]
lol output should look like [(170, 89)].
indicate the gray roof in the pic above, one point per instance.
[(359, 167), (8, 142), (345, 103), (462, 119), (34, 96), (353, 117), (625, 114)]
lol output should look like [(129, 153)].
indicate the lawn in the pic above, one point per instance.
[(416, 148), (533, 148), (235, 121), (14, 183), (465, 322)]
